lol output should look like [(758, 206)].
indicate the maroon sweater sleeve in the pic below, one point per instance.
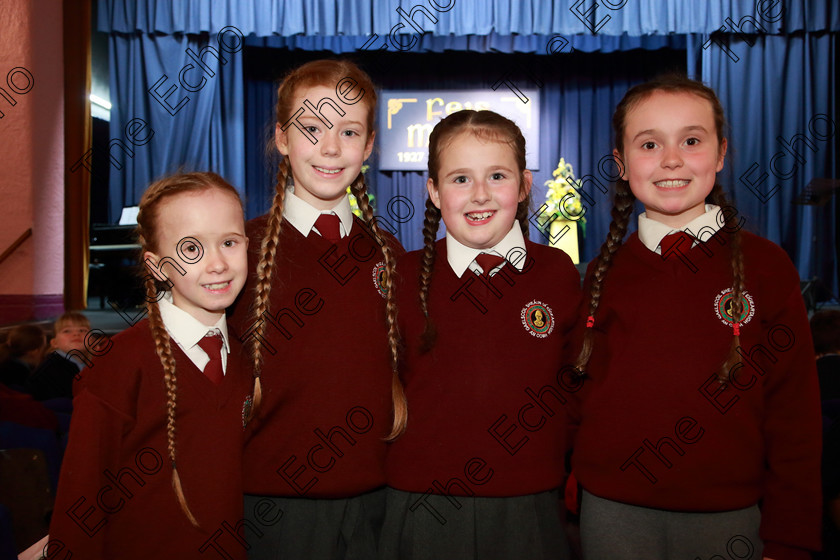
[(790, 511)]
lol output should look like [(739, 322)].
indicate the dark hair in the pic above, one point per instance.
[(313, 74), (21, 340), (147, 236), (624, 201), (825, 328), (485, 125)]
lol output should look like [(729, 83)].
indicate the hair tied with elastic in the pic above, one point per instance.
[(590, 322), (736, 329)]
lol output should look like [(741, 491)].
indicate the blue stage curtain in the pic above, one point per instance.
[(205, 133), (463, 17), (781, 87)]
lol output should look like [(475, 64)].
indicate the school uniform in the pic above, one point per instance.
[(673, 463), (115, 497), (317, 448), (476, 472)]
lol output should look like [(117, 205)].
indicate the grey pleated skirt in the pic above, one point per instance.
[(314, 529), (433, 527), (615, 531)]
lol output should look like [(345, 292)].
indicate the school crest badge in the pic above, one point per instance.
[(379, 277), (246, 410), (723, 308), (537, 318)]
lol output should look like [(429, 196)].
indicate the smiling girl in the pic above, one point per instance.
[(700, 422), (484, 318), (322, 329), (143, 476)]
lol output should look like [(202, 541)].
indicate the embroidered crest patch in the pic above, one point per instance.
[(723, 308), (246, 410), (537, 318), (378, 277)]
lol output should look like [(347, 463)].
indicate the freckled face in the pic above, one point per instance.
[(671, 155), (479, 190)]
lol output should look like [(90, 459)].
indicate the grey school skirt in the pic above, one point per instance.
[(314, 529), (614, 531), (419, 527)]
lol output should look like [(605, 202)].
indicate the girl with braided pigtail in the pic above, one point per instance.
[(151, 415), (320, 320), (699, 418), (484, 318)]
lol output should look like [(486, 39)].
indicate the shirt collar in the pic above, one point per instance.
[(461, 257), (185, 329), (303, 215), (651, 232), (70, 357)]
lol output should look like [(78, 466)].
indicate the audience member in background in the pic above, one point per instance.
[(21, 408), (54, 377), (825, 328), (22, 352)]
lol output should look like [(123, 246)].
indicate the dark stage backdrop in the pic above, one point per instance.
[(773, 64)]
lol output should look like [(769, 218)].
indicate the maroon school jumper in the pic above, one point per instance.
[(658, 430), (326, 375), (486, 404), (115, 496)]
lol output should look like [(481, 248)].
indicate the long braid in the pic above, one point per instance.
[(359, 190), (431, 223), (719, 198), (265, 272), (621, 211), (163, 349)]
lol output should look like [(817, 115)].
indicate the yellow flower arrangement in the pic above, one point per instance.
[(354, 204), (562, 200)]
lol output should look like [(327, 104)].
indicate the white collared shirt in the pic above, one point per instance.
[(303, 215), (186, 331), (511, 247), (652, 232)]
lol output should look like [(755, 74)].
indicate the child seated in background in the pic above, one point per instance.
[(21, 353), (54, 377)]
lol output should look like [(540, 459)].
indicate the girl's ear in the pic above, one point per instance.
[(620, 163), (721, 155), (527, 182), (281, 139), (369, 144), (151, 260), (434, 195)]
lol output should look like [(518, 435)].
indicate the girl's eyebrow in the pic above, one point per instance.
[(334, 121), (652, 131)]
